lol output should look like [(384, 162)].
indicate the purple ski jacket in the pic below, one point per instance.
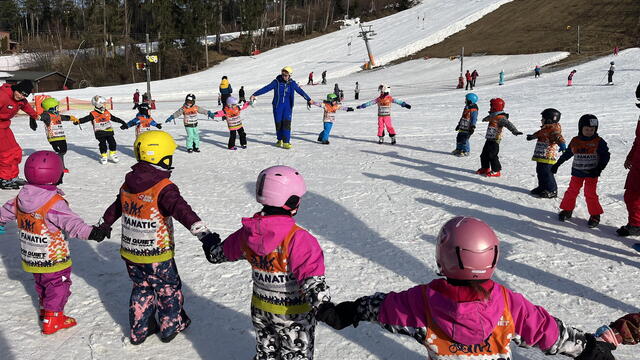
[(171, 203), (60, 217), (469, 322)]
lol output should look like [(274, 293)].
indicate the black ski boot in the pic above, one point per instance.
[(380, 139), (326, 142), (628, 230), (195, 149), (393, 139), (535, 191), (546, 194), (189, 150), (152, 329), (565, 215), (594, 221)]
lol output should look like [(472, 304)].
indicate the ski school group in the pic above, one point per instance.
[(463, 315)]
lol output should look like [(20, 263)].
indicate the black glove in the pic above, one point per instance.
[(405, 105), (98, 234), (638, 104), (457, 127), (124, 126), (338, 316), (208, 242), (33, 124), (309, 104), (472, 129), (530, 137), (595, 171), (554, 168), (596, 350), (350, 109), (159, 126), (517, 133)]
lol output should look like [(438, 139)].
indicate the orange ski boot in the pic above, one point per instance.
[(56, 320)]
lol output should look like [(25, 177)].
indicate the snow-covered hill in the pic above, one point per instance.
[(375, 209)]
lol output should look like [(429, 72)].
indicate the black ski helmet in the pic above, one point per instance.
[(143, 108), (587, 120), (191, 98), (550, 116)]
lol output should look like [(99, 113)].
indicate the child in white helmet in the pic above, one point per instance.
[(189, 111), (288, 267), (231, 113), (101, 119), (384, 102), (466, 315)]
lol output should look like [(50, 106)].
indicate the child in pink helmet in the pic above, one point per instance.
[(288, 267), (43, 216), (466, 315)]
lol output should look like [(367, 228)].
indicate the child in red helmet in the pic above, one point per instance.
[(43, 217), (591, 157), (288, 267), (498, 119), (466, 314)]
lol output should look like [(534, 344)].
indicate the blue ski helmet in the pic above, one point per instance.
[(472, 98)]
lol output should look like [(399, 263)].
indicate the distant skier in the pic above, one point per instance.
[(384, 102), (632, 185), (284, 89), (225, 90), (467, 76), (474, 76), (338, 92), (136, 99), (241, 95), (570, 78), (324, 77), (537, 71), (357, 91), (310, 81), (501, 77), (616, 50), (466, 125), (330, 106), (591, 157), (612, 69), (498, 119)]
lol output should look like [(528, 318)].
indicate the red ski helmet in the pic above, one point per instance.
[(496, 104), (466, 249)]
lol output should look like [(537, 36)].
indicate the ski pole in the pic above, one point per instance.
[(603, 76)]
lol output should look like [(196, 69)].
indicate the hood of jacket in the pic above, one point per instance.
[(224, 84), (143, 176), (280, 79), (466, 322), (32, 197), (265, 233)]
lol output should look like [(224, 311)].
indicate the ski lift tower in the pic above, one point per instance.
[(366, 35)]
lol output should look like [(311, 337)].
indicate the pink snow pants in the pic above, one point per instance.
[(569, 82), (53, 289), (385, 121), (591, 196)]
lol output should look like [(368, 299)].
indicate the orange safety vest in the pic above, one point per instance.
[(54, 130), (546, 148), (384, 106), (144, 124), (42, 250), (465, 120), (147, 236), (585, 153), (495, 347), (101, 121), (494, 130), (234, 122), (330, 112), (190, 115), (275, 288)]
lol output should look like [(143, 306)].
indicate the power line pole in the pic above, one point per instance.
[(578, 39), (366, 35), (148, 66)]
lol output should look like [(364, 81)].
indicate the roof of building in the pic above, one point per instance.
[(33, 75)]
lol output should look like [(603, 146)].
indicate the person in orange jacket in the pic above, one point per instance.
[(549, 139)]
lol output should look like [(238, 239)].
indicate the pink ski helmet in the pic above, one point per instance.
[(280, 186), (43, 168), (466, 249)]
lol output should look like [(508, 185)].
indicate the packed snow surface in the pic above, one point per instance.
[(376, 209)]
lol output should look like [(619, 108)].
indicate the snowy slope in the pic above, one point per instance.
[(397, 35), (376, 210)]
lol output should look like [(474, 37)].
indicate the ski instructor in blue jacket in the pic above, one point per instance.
[(283, 87)]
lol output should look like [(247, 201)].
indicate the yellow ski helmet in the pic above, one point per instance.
[(49, 103), (288, 69), (155, 147)]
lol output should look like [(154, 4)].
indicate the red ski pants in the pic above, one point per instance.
[(10, 155), (385, 121), (632, 199), (590, 183)]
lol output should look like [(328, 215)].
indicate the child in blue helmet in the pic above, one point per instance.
[(466, 126)]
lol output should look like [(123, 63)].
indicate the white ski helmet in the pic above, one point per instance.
[(384, 88), (98, 102)]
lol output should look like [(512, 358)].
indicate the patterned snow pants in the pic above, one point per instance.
[(156, 289), (283, 337)]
